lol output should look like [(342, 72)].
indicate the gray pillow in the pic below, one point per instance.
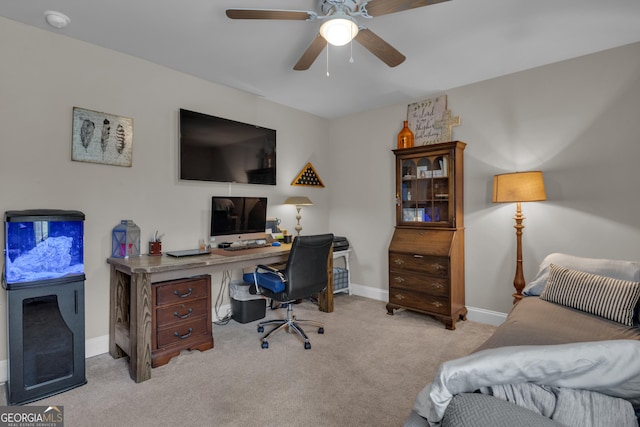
[(616, 269), (602, 296)]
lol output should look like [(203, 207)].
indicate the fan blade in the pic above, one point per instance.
[(295, 15), (384, 7), (310, 55), (380, 48)]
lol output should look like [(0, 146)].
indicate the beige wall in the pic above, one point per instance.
[(43, 76), (577, 121)]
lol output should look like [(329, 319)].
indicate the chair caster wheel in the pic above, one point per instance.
[(307, 345), (260, 328), (265, 344), (321, 330)]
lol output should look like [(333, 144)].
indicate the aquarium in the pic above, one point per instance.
[(42, 245)]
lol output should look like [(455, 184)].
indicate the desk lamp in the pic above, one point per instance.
[(518, 187), (299, 202)]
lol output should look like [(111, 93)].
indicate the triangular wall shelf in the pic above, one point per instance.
[(308, 177)]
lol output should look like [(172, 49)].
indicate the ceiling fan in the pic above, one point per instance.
[(340, 25)]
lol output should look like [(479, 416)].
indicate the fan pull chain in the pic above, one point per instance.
[(327, 60), (351, 46)]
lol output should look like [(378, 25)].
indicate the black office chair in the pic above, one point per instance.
[(305, 275)]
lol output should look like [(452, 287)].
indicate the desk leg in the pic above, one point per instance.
[(325, 299), (118, 311), (140, 327), (346, 265)]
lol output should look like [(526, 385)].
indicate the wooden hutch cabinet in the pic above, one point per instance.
[(426, 253)]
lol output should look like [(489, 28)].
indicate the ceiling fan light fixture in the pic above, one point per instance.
[(339, 30)]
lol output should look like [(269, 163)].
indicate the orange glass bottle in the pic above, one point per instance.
[(405, 137)]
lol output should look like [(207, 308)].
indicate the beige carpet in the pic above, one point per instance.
[(364, 371)]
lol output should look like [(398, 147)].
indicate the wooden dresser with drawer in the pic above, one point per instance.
[(424, 274), (426, 253), (181, 318)]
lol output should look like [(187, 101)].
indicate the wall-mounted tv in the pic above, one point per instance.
[(222, 150), (238, 215)]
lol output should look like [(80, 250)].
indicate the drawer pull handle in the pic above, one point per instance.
[(398, 261), (437, 285), (438, 267), (183, 337), (400, 296), (189, 292), (398, 279), (183, 316), (418, 256), (437, 304)]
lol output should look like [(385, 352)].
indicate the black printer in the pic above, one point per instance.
[(340, 243)]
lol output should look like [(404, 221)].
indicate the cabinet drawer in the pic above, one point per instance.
[(435, 266), (181, 333), (419, 301), (436, 286), (181, 290), (181, 312)]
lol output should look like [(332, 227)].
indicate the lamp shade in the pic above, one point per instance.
[(339, 30), (518, 187), (298, 201)]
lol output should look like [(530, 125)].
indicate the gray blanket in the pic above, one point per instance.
[(568, 406), (583, 380)]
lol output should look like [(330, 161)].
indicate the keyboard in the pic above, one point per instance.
[(188, 252), (247, 246)]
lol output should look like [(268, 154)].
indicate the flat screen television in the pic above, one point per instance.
[(222, 150), (238, 216)]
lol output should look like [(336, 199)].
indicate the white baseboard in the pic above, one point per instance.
[(488, 317), (96, 346), (479, 315), (100, 345), (368, 292), (93, 347)]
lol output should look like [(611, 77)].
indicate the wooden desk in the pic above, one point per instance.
[(130, 311)]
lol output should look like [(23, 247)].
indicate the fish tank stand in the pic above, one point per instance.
[(44, 278)]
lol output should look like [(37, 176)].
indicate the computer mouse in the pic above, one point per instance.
[(275, 244)]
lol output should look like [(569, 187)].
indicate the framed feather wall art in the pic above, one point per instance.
[(101, 138)]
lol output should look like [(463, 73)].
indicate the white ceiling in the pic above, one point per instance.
[(447, 45)]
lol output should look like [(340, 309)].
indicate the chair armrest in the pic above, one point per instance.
[(273, 270), (268, 268)]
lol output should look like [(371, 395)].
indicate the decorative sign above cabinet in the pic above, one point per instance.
[(422, 117)]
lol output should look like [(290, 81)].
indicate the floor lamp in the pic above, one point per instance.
[(518, 187), (299, 202)]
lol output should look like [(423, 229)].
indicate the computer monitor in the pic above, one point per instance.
[(238, 218)]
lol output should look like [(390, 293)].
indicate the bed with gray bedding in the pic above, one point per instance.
[(567, 354)]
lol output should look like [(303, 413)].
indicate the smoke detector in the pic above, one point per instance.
[(56, 19)]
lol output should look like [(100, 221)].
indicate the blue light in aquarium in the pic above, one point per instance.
[(42, 250)]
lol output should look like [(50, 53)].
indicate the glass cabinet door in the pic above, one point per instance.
[(425, 190)]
